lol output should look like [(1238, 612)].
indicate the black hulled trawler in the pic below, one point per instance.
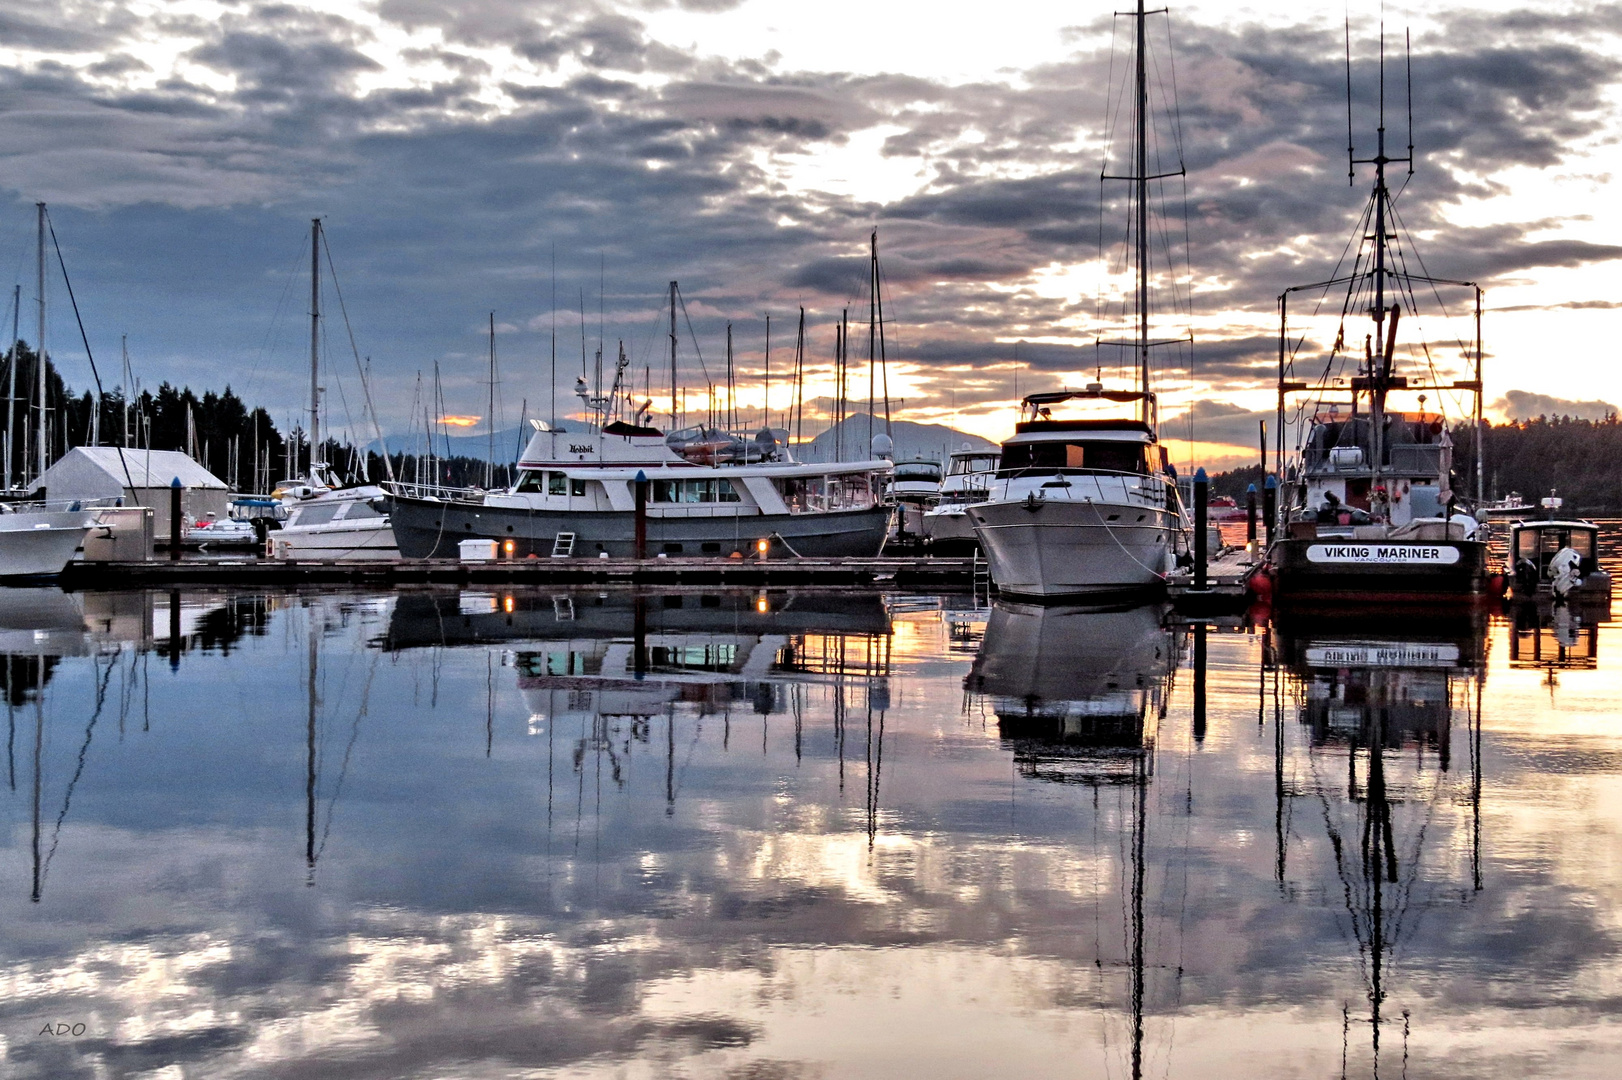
[(1369, 510)]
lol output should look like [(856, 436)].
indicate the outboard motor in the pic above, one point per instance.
[(1526, 577), (1564, 575)]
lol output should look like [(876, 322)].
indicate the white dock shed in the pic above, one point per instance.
[(96, 472)]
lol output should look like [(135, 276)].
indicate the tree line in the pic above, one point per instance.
[(240, 445)]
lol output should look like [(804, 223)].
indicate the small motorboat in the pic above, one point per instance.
[(1557, 560)]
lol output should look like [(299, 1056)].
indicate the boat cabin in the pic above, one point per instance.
[(1337, 483), (1536, 543)]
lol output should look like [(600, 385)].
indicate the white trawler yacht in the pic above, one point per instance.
[(707, 493), (1081, 506)]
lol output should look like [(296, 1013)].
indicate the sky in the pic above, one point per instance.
[(457, 151)]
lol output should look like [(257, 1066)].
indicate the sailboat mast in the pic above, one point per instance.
[(1142, 180), (675, 415), (11, 385), (490, 418), (872, 329), (39, 350), (315, 343)]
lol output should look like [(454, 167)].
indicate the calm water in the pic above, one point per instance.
[(800, 835)]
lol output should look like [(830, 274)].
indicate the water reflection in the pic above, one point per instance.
[(603, 833), (1073, 687), (1367, 690)]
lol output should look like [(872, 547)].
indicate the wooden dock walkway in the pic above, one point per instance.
[(1225, 583), (1225, 577)]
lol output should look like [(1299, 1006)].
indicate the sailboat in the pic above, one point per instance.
[(1087, 504), (1368, 504), (38, 539), (327, 520)]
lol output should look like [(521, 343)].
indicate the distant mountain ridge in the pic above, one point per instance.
[(912, 440)]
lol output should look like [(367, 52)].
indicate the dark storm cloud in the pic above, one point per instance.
[(447, 205), (1525, 405)]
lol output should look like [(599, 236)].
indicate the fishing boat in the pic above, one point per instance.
[(969, 473), (1087, 504), (1369, 506)]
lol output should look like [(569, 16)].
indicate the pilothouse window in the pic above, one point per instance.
[(1119, 457)]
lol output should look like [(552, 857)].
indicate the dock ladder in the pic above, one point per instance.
[(563, 545)]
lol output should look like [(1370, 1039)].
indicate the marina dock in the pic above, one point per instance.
[(899, 573), (1224, 592)]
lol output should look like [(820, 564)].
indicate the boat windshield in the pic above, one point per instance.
[(1115, 457), (918, 470)]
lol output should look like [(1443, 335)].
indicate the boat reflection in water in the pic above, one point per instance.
[(1380, 710), (1076, 689), (609, 665)]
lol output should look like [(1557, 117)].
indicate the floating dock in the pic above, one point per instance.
[(1225, 589), (950, 575)]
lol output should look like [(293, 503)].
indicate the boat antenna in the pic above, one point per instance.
[(1408, 59), (766, 402), (1351, 154)]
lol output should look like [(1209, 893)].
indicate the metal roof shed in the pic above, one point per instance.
[(95, 472)]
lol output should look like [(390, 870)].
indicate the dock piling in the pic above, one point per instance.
[(176, 532), (1202, 492)]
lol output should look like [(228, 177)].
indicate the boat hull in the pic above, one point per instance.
[(371, 538), (950, 531), (41, 544), (429, 529), (1063, 547), (1357, 573)]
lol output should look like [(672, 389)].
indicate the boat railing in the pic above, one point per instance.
[(436, 492), (49, 505), (1159, 490)]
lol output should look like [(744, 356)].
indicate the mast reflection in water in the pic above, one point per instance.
[(792, 834)]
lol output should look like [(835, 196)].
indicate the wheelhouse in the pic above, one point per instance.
[(1537, 543)]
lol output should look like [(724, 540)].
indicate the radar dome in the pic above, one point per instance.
[(883, 447)]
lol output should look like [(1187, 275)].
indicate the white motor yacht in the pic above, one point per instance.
[(1081, 506), (915, 487), (343, 523), (968, 480), (707, 493), (37, 541)]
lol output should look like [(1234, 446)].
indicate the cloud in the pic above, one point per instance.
[(449, 172), (1525, 405)]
